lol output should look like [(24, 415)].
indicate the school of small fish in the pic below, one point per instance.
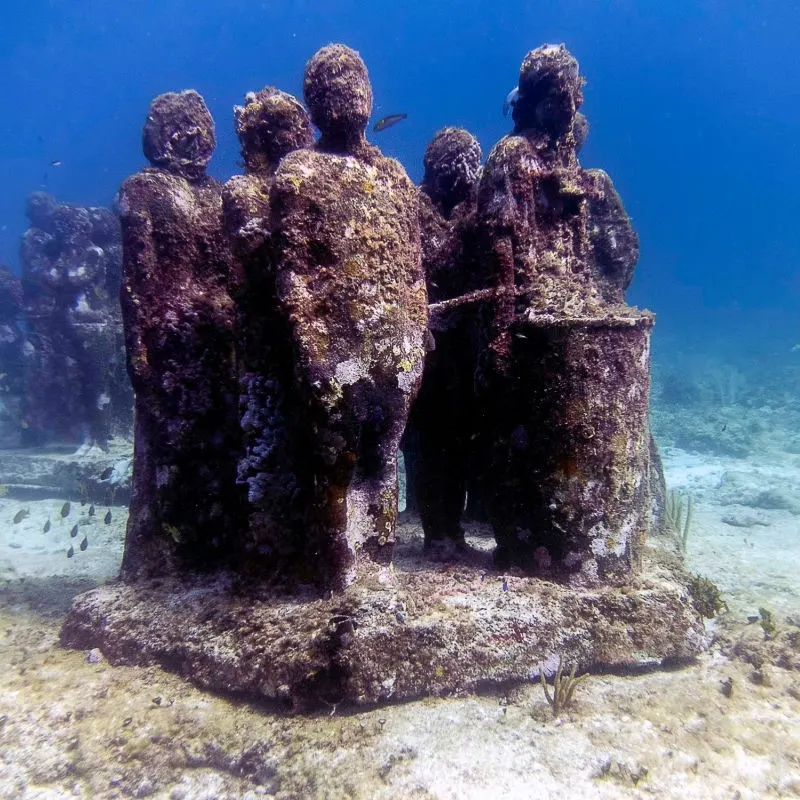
[(66, 508), (112, 475)]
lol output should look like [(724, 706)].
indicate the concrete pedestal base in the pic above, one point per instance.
[(440, 628)]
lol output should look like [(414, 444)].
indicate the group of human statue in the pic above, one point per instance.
[(286, 329)]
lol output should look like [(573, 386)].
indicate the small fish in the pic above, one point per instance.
[(387, 122), (511, 100), (65, 509), (56, 163), (174, 532), (724, 427), (107, 518), (106, 473), (91, 510), (70, 552), (21, 515), (46, 527), (84, 543), (74, 532)]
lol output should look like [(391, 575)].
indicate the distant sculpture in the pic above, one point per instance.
[(71, 263), (350, 288), (269, 125), (443, 420), (179, 334), (565, 369), (15, 351)]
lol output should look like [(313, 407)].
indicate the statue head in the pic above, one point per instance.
[(549, 91), (39, 209), (179, 134), (269, 125), (452, 166), (338, 95)]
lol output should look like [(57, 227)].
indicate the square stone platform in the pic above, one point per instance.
[(446, 627)]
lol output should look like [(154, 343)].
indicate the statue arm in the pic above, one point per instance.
[(139, 267), (615, 245)]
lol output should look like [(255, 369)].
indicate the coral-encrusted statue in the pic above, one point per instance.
[(14, 352), (350, 288), (527, 277), (179, 334), (565, 372), (269, 125), (443, 419), (71, 259)]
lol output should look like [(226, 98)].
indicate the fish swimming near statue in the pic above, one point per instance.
[(387, 122)]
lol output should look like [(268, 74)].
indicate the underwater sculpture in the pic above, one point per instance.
[(14, 350), (179, 335), (269, 125), (71, 265), (444, 417), (318, 289), (565, 372), (352, 293)]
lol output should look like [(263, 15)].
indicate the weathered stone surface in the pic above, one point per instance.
[(270, 125), (179, 334), (448, 630), (178, 135), (614, 244), (570, 456), (350, 289)]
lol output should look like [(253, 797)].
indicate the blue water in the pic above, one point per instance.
[(694, 107)]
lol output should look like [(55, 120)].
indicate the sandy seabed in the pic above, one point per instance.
[(72, 726)]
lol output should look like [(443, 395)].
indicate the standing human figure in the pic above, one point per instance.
[(270, 125), (350, 287), (179, 334), (565, 367), (442, 423)]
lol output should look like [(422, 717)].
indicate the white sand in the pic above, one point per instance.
[(71, 728)]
